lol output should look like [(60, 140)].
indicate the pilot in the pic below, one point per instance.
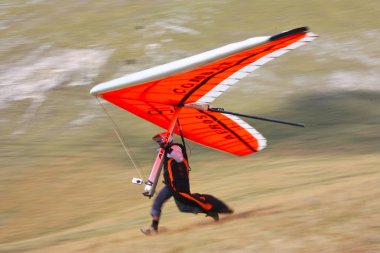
[(176, 179)]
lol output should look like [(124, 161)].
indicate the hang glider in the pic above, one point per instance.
[(193, 82), (181, 91)]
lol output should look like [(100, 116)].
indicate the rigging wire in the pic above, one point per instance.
[(183, 142), (121, 139)]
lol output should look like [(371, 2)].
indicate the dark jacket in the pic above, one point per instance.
[(176, 176)]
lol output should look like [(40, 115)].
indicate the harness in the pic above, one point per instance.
[(176, 175)]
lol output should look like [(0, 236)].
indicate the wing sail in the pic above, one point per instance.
[(220, 131), (212, 129), (152, 94)]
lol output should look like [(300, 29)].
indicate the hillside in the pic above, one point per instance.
[(65, 179)]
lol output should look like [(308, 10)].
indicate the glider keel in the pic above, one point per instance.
[(150, 185)]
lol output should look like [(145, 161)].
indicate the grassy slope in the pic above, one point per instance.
[(288, 203), (66, 188)]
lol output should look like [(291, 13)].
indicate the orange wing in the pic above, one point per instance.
[(204, 78)]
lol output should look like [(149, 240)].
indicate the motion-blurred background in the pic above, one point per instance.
[(65, 178)]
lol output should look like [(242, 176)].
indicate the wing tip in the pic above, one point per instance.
[(303, 29)]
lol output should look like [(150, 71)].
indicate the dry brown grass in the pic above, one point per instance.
[(292, 204), (65, 188)]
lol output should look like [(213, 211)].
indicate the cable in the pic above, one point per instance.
[(184, 144), (117, 132)]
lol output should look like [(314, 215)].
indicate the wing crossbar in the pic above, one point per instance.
[(221, 110)]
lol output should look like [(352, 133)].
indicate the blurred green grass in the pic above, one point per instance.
[(66, 182)]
